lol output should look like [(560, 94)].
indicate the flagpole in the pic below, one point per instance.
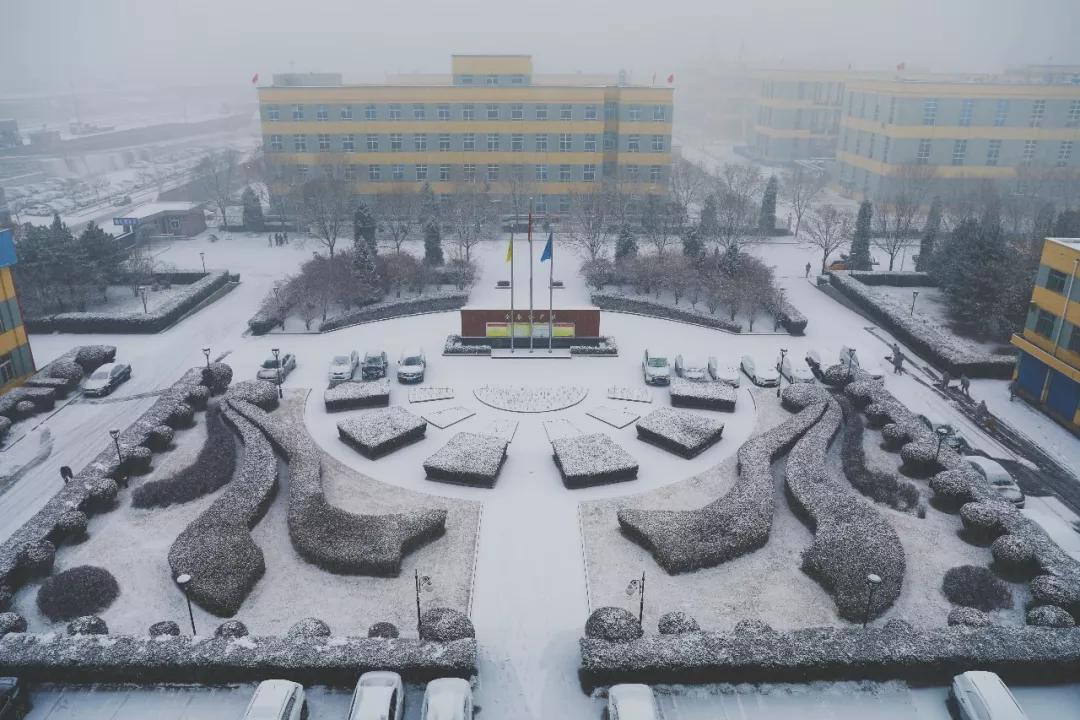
[(551, 292), (512, 283), (530, 276)]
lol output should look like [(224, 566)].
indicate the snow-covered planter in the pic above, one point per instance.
[(644, 305), (594, 459), (530, 398), (976, 586), (445, 625), (354, 395), (454, 346), (705, 395), (1014, 554), (397, 307), (87, 625), (968, 617), (882, 487), (231, 629), (675, 622), (157, 320), (730, 526), (308, 629), (78, 591), (468, 459), (383, 629), (11, 623), (613, 624), (260, 393), (376, 433), (605, 347), (164, 628), (1050, 616), (682, 433)]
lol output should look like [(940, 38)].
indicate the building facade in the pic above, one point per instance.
[(16, 360), (1048, 367), (797, 115), (1004, 129), (489, 123)]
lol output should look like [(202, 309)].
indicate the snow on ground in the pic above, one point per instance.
[(930, 304)]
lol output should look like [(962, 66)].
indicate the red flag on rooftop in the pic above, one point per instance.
[(671, 79), (255, 78)]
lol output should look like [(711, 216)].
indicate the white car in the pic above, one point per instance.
[(796, 370), (378, 696), (342, 367), (277, 700), (412, 366), (106, 378), (998, 477), (632, 701), (727, 372), (655, 368), (869, 366), (694, 368), (981, 695), (762, 374), (447, 699)]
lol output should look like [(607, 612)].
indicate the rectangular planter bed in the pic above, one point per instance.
[(468, 459), (352, 395), (704, 395), (680, 432), (379, 432), (586, 460)]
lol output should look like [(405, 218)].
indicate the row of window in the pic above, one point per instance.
[(469, 143), (967, 111), (491, 80), (422, 172), (491, 111), (1046, 322), (960, 150)]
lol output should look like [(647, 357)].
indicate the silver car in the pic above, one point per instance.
[(795, 370), (695, 368), (342, 367), (269, 368), (762, 374), (998, 477), (655, 368), (106, 378), (412, 366)]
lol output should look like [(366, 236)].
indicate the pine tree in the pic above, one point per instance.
[(253, 214), (929, 236), (767, 217), (692, 246), (859, 258), (626, 244), (433, 254), (364, 228), (976, 268), (709, 219)]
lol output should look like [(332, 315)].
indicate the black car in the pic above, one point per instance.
[(14, 700), (374, 365)]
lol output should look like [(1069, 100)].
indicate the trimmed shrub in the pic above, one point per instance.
[(199, 397), (593, 459), (682, 433), (953, 488), (87, 625), (675, 622), (137, 460), (921, 458), (36, 557), (862, 392), (613, 624), (882, 487), (5, 597), (70, 526), (212, 469), (231, 629), (69, 371), (5, 426), (180, 415), (397, 307), (445, 625), (379, 432), (165, 628), (101, 493), (454, 346), (24, 409), (982, 520), (705, 395), (1054, 590), (83, 590), (386, 630), (801, 395), (91, 357), (969, 617), (644, 305), (877, 415), (977, 587), (1050, 616), (260, 393), (217, 377), (160, 438), (894, 436), (11, 623), (308, 629), (753, 627), (355, 395)]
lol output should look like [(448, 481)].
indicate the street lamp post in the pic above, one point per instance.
[(115, 435), (182, 581), (202, 256), (850, 363), (872, 581), (942, 433), (277, 364), (914, 297), (780, 380), (206, 352)]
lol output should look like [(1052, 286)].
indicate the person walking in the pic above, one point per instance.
[(1013, 387), (898, 362), (965, 384), (807, 270), (946, 378), (982, 413), (66, 474)]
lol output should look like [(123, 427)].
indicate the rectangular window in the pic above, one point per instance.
[(374, 173), (300, 143), (395, 142), (654, 174), (658, 143), (993, 152), (862, 105), (967, 109), (609, 141), (324, 142), (347, 144), (564, 173), (398, 172), (517, 142), (466, 79), (468, 142), (468, 112), (444, 172), (590, 112), (1074, 339), (1056, 281), (1038, 112), (517, 79), (419, 112), (444, 142), (1029, 151), (350, 173), (302, 172), (275, 143), (541, 173), (492, 80), (373, 143), (541, 112), (346, 112), (420, 142), (517, 112), (395, 112), (493, 142), (541, 143), (566, 112), (492, 173), (273, 114), (609, 111), (633, 143), (922, 157), (492, 112), (929, 111), (635, 113), (588, 173), (541, 205), (1074, 116), (297, 112), (590, 142), (322, 114), (959, 152), (633, 173), (658, 113), (1064, 153), (877, 109), (1001, 113), (885, 149), (468, 171), (1044, 323), (370, 112), (565, 142), (443, 112), (564, 203)]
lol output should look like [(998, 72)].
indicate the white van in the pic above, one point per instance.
[(277, 700), (981, 695)]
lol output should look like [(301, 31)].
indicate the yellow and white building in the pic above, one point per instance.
[(16, 360)]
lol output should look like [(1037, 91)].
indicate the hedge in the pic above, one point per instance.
[(791, 319), (882, 487), (894, 278), (168, 313), (454, 346), (82, 590), (397, 307), (352, 395), (643, 305)]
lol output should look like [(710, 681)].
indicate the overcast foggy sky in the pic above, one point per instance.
[(50, 45)]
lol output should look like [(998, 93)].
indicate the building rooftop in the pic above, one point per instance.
[(1070, 243), (155, 208)]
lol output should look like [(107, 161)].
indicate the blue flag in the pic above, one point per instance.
[(546, 255)]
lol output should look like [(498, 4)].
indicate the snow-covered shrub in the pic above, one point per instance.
[(70, 526), (801, 395), (893, 278), (199, 397), (5, 426), (643, 305), (393, 307), (969, 617), (922, 458), (894, 436), (101, 493), (675, 622), (682, 433), (82, 590), (181, 415), (1014, 554), (5, 597), (791, 319), (383, 629), (308, 629), (87, 625), (69, 371), (954, 488), (851, 539), (882, 487), (354, 395), (1055, 590), (212, 469), (137, 460), (378, 432), (164, 628), (605, 347), (468, 458), (11, 623), (1050, 616), (217, 377), (705, 395), (593, 459), (862, 392), (231, 629), (976, 586), (91, 357), (36, 557), (454, 346), (260, 393), (445, 625), (877, 415), (160, 438), (614, 624), (983, 521)]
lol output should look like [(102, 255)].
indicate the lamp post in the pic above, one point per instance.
[(914, 297), (206, 352), (942, 433), (872, 581), (780, 380), (850, 363), (182, 581), (277, 364), (423, 582), (202, 256), (115, 435)]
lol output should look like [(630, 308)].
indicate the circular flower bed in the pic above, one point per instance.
[(530, 398)]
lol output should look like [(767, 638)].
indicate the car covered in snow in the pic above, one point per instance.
[(727, 372), (865, 363), (14, 699), (795, 370), (277, 700), (998, 477), (379, 695), (763, 374), (106, 378), (269, 369), (694, 368), (953, 438), (342, 367), (412, 366), (655, 368), (374, 365), (447, 699), (821, 360), (632, 701), (981, 695)]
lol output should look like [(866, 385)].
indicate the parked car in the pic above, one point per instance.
[(412, 366), (820, 360), (269, 369), (998, 477), (14, 700), (953, 438), (106, 378), (121, 200), (342, 367), (796, 370), (727, 372), (447, 699), (374, 365), (762, 374), (632, 701), (694, 368), (277, 700), (867, 365), (655, 368), (981, 695), (378, 696)]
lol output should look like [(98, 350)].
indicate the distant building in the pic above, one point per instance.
[(490, 121), (156, 219), (16, 360), (1048, 370), (9, 133)]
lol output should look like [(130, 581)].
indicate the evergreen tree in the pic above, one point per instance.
[(976, 268), (100, 256), (929, 235), (253, 214), (433, 254), (859, 258), (709, 219), (626, 244), (767, 217), (364, 228), (692, 246)]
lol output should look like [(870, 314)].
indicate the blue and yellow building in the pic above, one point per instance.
[(1048, 367), (16, 360)]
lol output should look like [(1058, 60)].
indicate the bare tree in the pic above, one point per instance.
[(398, 213), (897, 214), (471, 214), (659, 222), (829, 229), (686, 187), (737, 190), (522, 189), (326, 205), (589, 220), (99, 185), (216, 175), (800, 189), (400, 270)]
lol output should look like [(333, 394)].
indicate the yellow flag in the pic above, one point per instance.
[(510, 251)]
